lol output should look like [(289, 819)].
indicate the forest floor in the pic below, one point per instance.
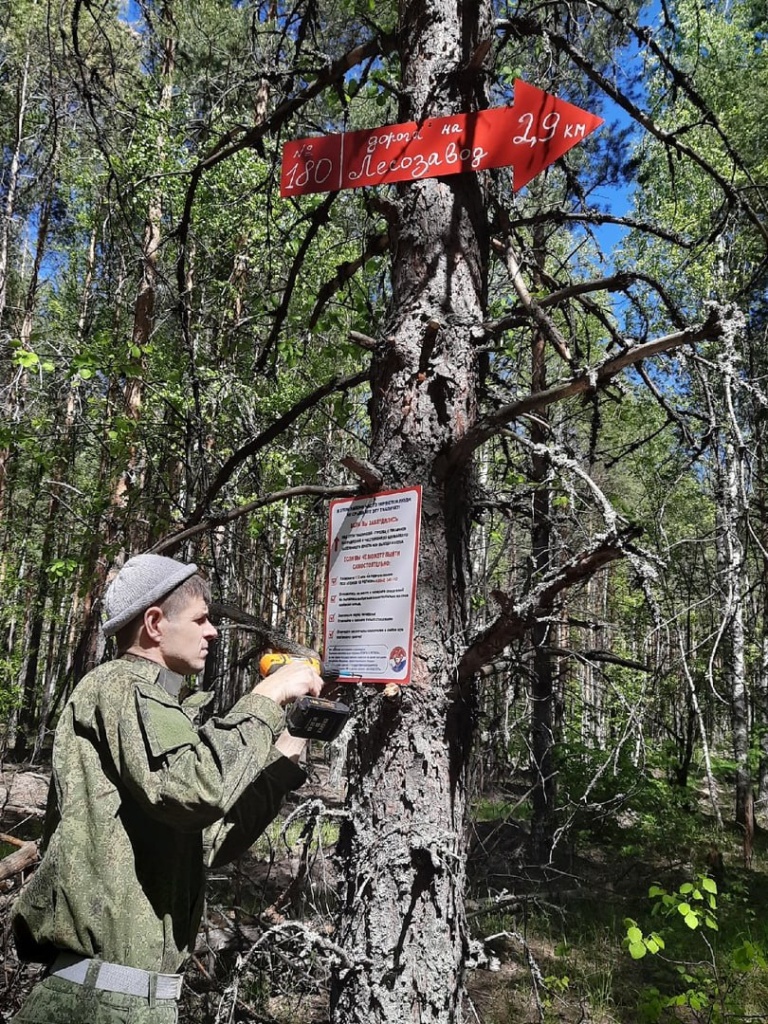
[(551, 941)]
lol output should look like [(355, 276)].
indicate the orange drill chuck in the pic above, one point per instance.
[(272, 662), (309, 717)]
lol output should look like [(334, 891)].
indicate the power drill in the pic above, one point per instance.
[(313, 718)]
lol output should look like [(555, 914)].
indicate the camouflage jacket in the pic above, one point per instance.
[(141, 801)]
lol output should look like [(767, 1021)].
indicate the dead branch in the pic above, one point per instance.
[(306, 938), (598, 219), (599, 656), (318, 219), (682, 82), (171, 542), (345, 271), (580, 292), (525, 26), (543, 322), (517, 617), (617, 282), (11, 840), (370, 476), (264, 634), (363, 340), (256, 444), (585, 380)]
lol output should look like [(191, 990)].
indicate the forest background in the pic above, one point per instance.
[(560, 819)]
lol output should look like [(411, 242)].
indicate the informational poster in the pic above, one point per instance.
[(373, 557)]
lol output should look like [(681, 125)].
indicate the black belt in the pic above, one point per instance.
[(130, 981)]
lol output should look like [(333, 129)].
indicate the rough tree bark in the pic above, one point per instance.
[(404, 846), (719, 392), (731, 515)]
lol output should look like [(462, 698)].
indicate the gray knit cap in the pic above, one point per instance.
[(143, 581)]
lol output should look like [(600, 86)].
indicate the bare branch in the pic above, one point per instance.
[(548, 327), (596, 218), (517, 617), (171, 542), (682, 82), (318, 219), (263, 634), (606, 657), (585, 380), (617, 282), (525, 27), (371, 476), (247, 451), (363, 340), (347, 270), (18, 861)]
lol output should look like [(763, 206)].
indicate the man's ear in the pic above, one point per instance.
[(153, 622)]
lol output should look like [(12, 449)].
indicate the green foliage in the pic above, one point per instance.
[(10, 691), (254, 310), (638, 944), (714, 44), (488, 809), (555, 985), (699, 983), (695, 902), (62, 568)]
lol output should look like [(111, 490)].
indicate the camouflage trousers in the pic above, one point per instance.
[(56, 1001)]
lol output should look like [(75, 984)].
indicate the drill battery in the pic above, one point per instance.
[(315, 718)]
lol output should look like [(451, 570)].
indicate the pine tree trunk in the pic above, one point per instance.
[(27, 721), (404, 847)]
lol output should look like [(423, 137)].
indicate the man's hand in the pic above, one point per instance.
[(289, 746), (294, 680)]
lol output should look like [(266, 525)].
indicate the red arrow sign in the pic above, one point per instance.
[(528, 136)]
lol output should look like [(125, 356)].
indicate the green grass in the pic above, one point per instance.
[(489, 809), (572, 914), (7, 848), (276, 837)]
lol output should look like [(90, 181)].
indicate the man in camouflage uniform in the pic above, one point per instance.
[(142, 800)]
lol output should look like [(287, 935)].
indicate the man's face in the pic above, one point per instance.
[(185, 636)]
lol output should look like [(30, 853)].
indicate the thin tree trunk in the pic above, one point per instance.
[(544, 793), (27, 720), (761, 708), (12, 183), (6, 227), (131, 478), (732, 569), (761, 675), (694, 697)]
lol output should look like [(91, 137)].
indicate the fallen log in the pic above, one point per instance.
[(11, 840), (19, 860)]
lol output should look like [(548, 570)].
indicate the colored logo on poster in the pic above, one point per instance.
[(398, 659)]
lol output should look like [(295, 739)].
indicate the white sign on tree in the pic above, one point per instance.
[(373, 556)]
